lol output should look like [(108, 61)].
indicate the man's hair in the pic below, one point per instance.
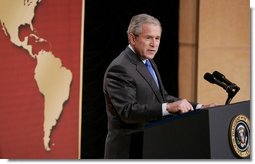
[(135, 25)]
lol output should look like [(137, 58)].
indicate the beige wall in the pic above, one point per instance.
[(188, 49), (214, 35)]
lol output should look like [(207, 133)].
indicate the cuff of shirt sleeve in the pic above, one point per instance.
[(199, 106), (164, 110)]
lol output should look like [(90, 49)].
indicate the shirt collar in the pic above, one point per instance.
[(135, 53)]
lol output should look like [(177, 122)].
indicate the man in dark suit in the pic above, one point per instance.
[(134, 93)]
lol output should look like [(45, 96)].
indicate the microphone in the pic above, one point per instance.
[(222, 78), (209, 77)]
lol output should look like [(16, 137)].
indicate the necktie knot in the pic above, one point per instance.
[(148, 63)]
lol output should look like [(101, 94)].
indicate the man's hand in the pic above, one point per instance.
[(181, 106)]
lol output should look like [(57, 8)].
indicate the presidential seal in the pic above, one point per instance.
[(239, 133)]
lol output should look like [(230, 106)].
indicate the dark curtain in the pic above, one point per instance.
[(105, 37)]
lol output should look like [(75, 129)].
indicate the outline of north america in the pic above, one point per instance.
[(52, 78)]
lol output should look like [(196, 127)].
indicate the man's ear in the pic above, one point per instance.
[(131, 38)]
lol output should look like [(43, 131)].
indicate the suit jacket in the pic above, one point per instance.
[(132, 99)]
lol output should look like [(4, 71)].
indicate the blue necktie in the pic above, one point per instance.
[(148, 65)]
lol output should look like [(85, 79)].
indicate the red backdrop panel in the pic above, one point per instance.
[(21, 103)]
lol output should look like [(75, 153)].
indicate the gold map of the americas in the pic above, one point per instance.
[(53, 80)]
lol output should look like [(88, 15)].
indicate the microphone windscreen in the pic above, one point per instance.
[(218, 75), (209, 77)]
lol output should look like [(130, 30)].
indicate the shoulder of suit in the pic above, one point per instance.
[(132, 56)]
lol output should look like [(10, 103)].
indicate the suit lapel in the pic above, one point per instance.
[(141, 68), (158, 76)]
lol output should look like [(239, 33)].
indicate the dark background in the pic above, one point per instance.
[(106, 23)]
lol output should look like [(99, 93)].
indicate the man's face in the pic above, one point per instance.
[(146, 44)]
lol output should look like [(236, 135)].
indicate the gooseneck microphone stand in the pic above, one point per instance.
[(231, 90)]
